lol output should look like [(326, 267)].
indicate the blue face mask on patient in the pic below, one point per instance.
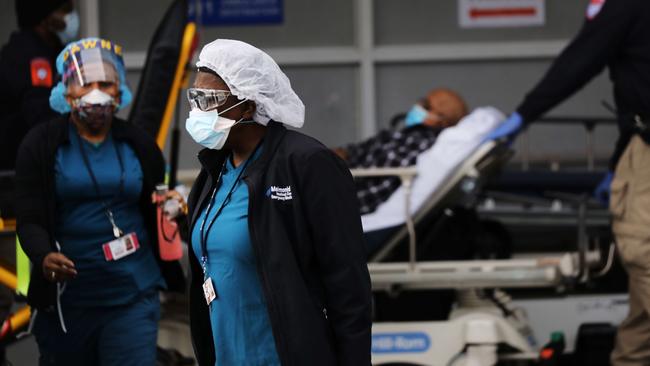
[(416, 115)]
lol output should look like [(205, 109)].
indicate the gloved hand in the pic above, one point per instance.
[(603, 190), (508, 129)]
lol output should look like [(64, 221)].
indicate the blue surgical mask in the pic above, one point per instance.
[(71, 30), (416, 115), (209, 129)]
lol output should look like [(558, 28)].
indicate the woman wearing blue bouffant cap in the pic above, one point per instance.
[(85, 219)]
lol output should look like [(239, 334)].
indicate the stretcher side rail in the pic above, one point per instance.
[(464, 180), (551, 271), (406, 176)]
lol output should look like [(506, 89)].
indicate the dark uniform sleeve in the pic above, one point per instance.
[(22, 106), (31, 213), (333, 215), (36, 108), (10, 124), (596, 45)]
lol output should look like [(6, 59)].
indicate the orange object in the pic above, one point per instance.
[(8, 279), (547, 353), (188, 46), (169, 238), (15, 322), (41, 72)]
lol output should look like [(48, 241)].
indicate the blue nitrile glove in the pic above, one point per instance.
[(603, 190), (508, 129)]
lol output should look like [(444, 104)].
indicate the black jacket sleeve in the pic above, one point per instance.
[(31, 197), (595, 46), (333, 217), (35, 107)]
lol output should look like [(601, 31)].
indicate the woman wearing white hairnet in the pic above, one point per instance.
[(278, 264)]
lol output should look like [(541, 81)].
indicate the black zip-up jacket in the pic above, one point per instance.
[(36, 198), (309, 248), (617, 37)]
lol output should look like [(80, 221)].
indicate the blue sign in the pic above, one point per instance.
[(414, 342), (237, 12)]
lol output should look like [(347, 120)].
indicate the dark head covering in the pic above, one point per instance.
[(32, 12)]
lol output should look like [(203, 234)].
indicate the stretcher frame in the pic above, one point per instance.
[(474, 331), (466, 179)]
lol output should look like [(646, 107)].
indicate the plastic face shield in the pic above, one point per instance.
[(90, 65), (206, 99)]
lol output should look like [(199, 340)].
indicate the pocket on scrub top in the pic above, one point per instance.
[(618, 198)]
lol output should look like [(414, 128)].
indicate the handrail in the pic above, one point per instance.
[(589, 124), (406, 176), (577, 120)]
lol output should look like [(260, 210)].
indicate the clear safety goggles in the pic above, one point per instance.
[(89, 66), (207, 99)]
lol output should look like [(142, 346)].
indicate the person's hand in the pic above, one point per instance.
[(603, 190), (57, 267), (174, 204), (507, 130)]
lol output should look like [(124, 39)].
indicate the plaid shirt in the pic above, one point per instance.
[(388, 149)]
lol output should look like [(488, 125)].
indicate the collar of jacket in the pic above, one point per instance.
[(211, 159)]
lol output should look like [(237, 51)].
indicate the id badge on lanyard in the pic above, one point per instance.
[(209, 291), (122, 245)]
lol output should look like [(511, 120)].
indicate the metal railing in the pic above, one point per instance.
[(589, 124)]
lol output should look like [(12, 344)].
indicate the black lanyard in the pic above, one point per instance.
[(116, 230), (203, 232)]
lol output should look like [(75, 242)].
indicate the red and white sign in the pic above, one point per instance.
[(501, 13)]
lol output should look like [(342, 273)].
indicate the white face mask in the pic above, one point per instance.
[(96, 97), (210, 129)]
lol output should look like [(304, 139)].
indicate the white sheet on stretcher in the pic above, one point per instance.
[(453, 146)]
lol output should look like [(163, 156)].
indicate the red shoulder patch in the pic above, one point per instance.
[(41, 71), (594, 8)]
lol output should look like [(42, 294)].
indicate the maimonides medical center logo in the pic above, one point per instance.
[(412, 342), (594, 8), (279, 193)]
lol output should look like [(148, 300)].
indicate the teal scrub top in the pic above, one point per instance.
[(82, 226), (241, 329)]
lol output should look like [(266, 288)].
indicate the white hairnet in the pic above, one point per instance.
[(252, 74)]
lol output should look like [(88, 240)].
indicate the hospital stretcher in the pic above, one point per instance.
[(481, 327)]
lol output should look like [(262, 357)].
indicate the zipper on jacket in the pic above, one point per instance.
[(262, 273)]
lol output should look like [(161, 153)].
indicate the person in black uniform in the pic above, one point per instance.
[(27, 71), (615, 35), (27, 74)]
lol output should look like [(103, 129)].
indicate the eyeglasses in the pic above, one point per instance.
[(206, 99)]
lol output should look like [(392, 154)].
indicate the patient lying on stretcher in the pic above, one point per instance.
[(400, 147)]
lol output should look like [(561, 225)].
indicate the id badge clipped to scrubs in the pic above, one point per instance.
[(121, 247), (208, 291), (208, 288)]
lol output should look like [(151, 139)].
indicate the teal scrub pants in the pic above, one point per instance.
[(104, 336)]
